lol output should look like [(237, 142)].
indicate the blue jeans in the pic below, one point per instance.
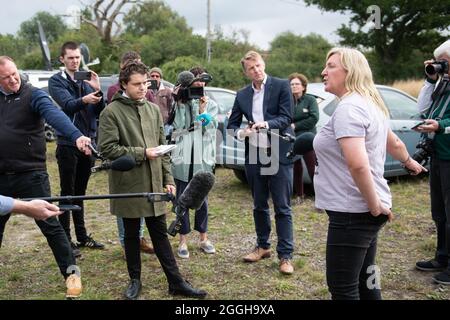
[(351, 251), (279, 186), (121, 230)]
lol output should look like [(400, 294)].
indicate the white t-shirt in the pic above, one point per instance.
[(334, 186)]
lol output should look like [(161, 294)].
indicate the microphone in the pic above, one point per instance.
[(185, 78), (204, 118), (192, 198), (123, 163), (303, 144)]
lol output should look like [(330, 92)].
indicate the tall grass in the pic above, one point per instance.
[(411, 86)]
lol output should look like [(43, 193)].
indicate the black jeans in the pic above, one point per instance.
[(74, 172), (31, 185), (440, 207), (157, 229), (351, 250)]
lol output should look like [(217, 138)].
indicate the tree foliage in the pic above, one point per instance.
[(152, 16), (296, 53), (53, 25), (408, 34)]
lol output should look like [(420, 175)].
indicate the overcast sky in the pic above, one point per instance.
[(264, 19)]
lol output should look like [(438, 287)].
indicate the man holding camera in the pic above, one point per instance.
[(79, 96), (163, 95), (434, 102), (196, 149)]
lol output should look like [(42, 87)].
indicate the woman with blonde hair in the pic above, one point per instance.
[(349, 184)]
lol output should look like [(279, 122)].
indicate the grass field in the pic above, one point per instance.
[(28, 269)]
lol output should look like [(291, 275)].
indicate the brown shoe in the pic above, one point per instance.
[(146, 247), (257, 254), (73, 284), (286, 266)]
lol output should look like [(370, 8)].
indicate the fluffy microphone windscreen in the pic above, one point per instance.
[(123, 163), (197, 190), (185, 78), (303, 143)]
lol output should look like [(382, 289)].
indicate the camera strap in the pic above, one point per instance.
[(436, 104)]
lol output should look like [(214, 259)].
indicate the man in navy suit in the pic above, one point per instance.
[(268, 107)]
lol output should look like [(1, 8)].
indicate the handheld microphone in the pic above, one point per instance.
[(124, 163), (303, 144), (192, 198), (204, 118)]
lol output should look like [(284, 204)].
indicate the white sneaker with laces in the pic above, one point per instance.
[(207, 247), (183, 251)]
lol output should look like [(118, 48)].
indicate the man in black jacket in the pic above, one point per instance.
[(82, 101), (23, 172)]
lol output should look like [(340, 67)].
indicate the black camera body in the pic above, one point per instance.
[(437, 67), (424, 151), (189, 93), (152, 84), (82, 75)]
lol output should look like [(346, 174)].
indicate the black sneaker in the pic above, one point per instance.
[(442, 278), (76, 251), (430, 265), (91, 243)]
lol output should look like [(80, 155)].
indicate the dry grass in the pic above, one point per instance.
[(411, 87), (28, 269)]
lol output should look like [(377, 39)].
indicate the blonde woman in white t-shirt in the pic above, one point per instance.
[(351, 150)]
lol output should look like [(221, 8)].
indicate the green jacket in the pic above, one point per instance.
[(306, 114), (202, 141), (128, 127), (441, 143)]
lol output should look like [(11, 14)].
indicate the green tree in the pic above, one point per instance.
[(406, 26), (152, 16), (53, 28), (296, 53)]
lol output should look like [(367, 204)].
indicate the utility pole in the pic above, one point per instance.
[(208, 31)]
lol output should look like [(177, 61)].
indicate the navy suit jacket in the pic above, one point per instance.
[(278, 106)]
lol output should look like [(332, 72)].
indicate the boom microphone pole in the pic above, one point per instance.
[(151, 197)]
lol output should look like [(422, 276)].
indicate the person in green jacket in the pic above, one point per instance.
[(196, 151), (306, 115), (130, 125)]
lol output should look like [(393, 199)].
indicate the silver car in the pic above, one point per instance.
[(403, 115)]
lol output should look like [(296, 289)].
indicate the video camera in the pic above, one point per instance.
[(184, 90)]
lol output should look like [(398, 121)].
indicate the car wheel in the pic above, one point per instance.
[(240, 174)]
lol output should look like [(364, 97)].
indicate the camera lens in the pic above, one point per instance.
[(433, 68)]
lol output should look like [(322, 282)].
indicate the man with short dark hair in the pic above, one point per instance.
[(23, 172), (145, 246), (163, 95), (82, 101), (130, 125)]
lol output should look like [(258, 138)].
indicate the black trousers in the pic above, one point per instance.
[(350, 260), (74, 172), (36, 184), (440, 207), (157, 229)]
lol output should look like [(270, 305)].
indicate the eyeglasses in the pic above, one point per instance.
[(296, 84)]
